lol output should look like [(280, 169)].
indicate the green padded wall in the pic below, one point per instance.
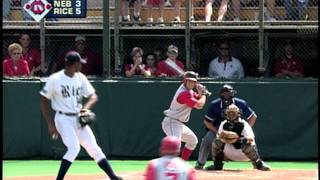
[(129, 115)]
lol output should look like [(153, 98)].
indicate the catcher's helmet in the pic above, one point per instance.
[(228, 88), (232, 112), (170, 145), (190, 75)]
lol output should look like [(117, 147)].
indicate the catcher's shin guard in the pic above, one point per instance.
[(217, 155), (250, 151)]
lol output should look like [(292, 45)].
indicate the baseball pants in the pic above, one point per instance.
[(73, 135), (172, 127), (205, 147)]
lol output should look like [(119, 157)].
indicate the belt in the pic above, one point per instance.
[(68, 114)]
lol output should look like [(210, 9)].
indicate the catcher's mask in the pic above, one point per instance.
[(170, 145), (232, 112)]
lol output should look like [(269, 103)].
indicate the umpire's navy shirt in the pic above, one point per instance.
[(216, 110)]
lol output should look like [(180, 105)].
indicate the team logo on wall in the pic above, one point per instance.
[(37, 9)]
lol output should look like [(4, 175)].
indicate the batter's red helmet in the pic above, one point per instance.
[(170, 145)]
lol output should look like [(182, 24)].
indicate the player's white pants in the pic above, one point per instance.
[(73, 135), (176, 128), (234, 154)]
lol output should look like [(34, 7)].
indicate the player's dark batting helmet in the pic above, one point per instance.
[(170, 145)]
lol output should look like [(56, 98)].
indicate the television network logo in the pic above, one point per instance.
[(37, 9)]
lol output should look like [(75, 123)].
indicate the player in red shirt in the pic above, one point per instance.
[(288, 66), (169, 166), (170, 67), (178, 114), (15, 65)]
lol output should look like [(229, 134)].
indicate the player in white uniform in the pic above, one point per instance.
[(184, 100), (65, 89), (169, 166), (244, 149)]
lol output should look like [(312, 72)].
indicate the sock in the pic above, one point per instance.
[(186, 153), (65, 164), (105, 166), (208, 18)]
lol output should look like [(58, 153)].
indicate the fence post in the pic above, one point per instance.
[(42, 44), (261, 33), (187, 33), (106, 40)]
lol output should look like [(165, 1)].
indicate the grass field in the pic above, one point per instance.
[(12, 168)]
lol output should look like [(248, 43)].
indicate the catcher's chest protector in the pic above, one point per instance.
[(236, 127)]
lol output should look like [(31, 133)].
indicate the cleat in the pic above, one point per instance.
[(260, 165)]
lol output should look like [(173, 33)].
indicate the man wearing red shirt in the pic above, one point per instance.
[(15, 65), (94, 62), (288, 66), (169, 166), (170, 67)]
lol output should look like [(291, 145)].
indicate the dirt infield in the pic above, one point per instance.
[(203, 175)]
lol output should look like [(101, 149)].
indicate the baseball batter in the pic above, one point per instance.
[(240, 148), (65, 89), (184, 100), (215, 115), (169, 166)]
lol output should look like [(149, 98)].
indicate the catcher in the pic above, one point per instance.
[(235, 141)]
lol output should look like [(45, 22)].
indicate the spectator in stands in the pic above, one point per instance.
[(31, 55), (151, 4), (124, 10), (15, 65), (137, 67), (177, 5), (158, 52), (94, 61), (291, 14), (5, 10), (151, 63), (170, 67), (222, 9), (225, 65), (288, 65), (26, 16)]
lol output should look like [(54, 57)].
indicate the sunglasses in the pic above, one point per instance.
[(16, 53)]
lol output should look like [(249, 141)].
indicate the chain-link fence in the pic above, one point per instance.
[(198, 43)]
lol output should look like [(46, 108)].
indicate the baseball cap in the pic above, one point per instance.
[(190, 75), (170, 144), (73, 56), (80, 38), (172, 49)]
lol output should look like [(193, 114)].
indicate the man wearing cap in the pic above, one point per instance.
[(94, 61), (176, 117), (215, 115), (170, 67), (66, 89), (169, 166)]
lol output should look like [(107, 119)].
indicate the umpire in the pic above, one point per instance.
[(215, 115)]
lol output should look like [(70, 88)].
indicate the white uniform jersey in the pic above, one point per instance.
[(66, 92), (168, 168), (230, 151), (231, 69), (180, 112)]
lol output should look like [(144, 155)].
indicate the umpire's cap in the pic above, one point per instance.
[(170, 145), (73, 56), (228, 88), (190, 75)]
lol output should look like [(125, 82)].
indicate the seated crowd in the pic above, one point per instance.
[(24, 60)]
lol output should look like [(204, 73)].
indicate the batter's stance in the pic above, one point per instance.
[(179, 112), (65, 89)]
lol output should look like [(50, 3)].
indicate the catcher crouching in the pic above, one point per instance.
[(235, 141)]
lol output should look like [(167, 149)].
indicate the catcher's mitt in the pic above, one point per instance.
[(86, 117), (228, 137)]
